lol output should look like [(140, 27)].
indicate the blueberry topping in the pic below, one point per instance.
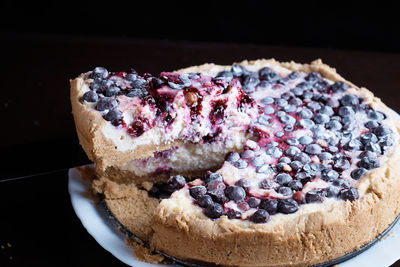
[(243, 182), (99, 72), (376, 115), (349, 194), (111, 91), (232, 157), (339, 87), (372, 124), (341, 164), (331, 191), (358, 173), (257, 161), (235, 193), (382, 130), (131, 77), (240, 164), (216, 189), (313, 149), (175, 182), (352, 145), (296, 165), (373, 147), (264, 169), (106, 103), (264, 119), (313, 77), (253, 202), (367, 138), (283, 178), (270, 205), (274, 152), (214, 210), (305, 113), (305, 140), (265, 184), (286, 191), (90, 96), (349, 100), (314, 196), (237, 70), (267, 100), (292, 151), (295, 185), (325, 156), (302, 157), (321, 118), (287, 205), (214, 176), (368, 163), (260, 216), (204, 201), (113, 115), (139, 84), (329, 175), (269, 110), (197, 191)]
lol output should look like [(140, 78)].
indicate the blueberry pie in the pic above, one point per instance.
[(261, 163)]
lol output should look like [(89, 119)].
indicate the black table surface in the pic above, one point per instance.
[(38, 226)]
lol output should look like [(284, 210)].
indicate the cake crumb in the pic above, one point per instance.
[(144, 254)]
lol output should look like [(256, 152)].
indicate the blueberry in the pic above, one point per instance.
[(305, 140), (214, 176), (292, 141), (113, 115), (253, 202), (298, 91), (232, 157), (295, 185), (214, 210), (280, 102), (321, 118), (284, 160), (286, 191), (349, 194), (376, 115), (331, 191), (358, 173), (269, 110), (296, 165), (346, 111), (382, 130), (325, 156), (293, 75), (243, 182), (193, 75), (99, 72), (314, 196), (302, 157), (233, 214), (313, 77), (313, 149), (289, 108), (329, 175), (139, 84), (249, 83), (341, 164), (274, 152), (339, 87), (368, 163), (314, 105), (265, 184), (287, 206), (366, 154), (237, 70), (288, 128), (349, 100), (157, 82), (240, 164), (283, 178), (303, 177), (272, 76), (270, 205), (366, 138), (90, 96), (321, 85), (175, 182), (305, 113), (224, 74), (216, 190), (257, 161), (131, 77), (306, 123), (331, 102), (352, 145), (292, 151), (267, 100), (235, 193), (279, 134), (264, 119), (264, 169), (260, 216), (204, 201), (319, 131), (385, 142), (373, 147), (326, 110), (287, 119), (136, 93), (247, 154), (106, 103), (371, 124), (197, 191), (280, 113), (111, 91)]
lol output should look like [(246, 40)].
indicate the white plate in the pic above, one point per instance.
[(383, 253)]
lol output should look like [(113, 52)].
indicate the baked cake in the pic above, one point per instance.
[(260, 163)]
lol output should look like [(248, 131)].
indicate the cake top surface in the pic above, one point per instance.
[(305, 138)]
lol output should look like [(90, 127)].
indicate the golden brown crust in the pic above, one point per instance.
[(300, 239)]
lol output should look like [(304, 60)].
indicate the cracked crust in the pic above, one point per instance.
[(307, 237)]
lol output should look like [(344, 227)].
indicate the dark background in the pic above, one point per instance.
[(43, 45)]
